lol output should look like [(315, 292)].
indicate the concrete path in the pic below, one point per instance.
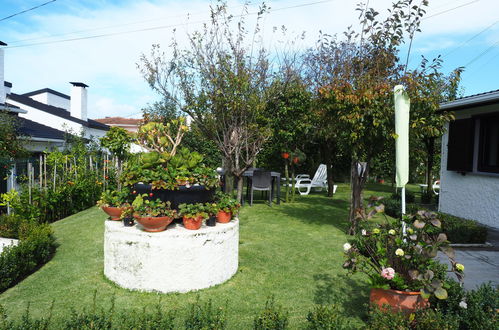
[(481, 264)]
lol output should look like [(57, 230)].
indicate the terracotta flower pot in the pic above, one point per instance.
[(153, 224), (406, 302), (224, 217), (193, 223), (113, 212)]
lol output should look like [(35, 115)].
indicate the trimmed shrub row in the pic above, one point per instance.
[(476, 309), (458, 230), (36, 247)]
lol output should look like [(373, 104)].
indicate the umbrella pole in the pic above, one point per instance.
[(402, 193)]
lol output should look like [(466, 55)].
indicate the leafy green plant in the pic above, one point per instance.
[(226, 203), (272, 317), (36, 246), (114, 198), (404, 263), (205, 316), (152, 208), (459, 230), (194, 210), (327, 317)]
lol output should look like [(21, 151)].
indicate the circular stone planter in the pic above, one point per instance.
[(175, 260)]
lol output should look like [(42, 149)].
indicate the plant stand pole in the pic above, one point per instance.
[(404, 225), (40, 177)]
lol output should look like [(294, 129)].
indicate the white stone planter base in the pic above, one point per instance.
[(174, 260)]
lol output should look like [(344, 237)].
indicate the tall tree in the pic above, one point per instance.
[(428, 87), (220, 82), (354, 78)]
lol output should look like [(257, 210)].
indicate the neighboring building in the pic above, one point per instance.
[(130, 124), (469, 179)]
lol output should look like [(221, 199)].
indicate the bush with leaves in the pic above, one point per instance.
[(36, 247), (272, 317), (205, 316), (327, 317)]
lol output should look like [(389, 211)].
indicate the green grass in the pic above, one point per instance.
[(291, 251)]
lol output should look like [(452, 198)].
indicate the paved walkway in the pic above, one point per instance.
[(481, 264)]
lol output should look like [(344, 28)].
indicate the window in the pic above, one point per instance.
[(460, 145), (488, 157)]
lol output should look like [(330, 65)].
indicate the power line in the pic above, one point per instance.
[(25, 11), (160, 27), (481, 54), (473, 37), (450, 9)]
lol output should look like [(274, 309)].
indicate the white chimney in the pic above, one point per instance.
[(2, 80), (78, 106)]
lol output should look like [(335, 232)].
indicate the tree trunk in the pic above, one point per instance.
[(430, 151), (286, 174), (359, 173), (239, 188), (328, 159)]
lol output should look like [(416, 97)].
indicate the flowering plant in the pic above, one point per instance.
[(144, 207), (406, 263)]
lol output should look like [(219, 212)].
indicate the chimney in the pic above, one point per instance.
[(78, 106), (3, 92)]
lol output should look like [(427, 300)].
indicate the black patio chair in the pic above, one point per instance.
[(262, 181)]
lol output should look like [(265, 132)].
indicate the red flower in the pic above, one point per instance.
[(134, 192), (285, 155), (296, 160), (150, 195)]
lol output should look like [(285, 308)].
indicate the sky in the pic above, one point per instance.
[(99, 42)]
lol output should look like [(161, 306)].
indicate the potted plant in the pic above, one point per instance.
[(212, 210), (171, 172), (193, 215), (113, 202), (227, 207), (153, 215), (127, 216), (402, 268)]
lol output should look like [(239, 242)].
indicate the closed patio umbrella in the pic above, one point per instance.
[(402, 107)]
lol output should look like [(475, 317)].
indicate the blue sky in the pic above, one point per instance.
[(40, 55)]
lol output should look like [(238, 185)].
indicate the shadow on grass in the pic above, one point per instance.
[(342, 289)]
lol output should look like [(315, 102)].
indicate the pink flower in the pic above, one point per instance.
[(388, 273)]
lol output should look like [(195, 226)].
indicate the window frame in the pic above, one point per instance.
[(480, 166)]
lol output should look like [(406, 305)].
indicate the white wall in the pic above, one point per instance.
[(53, 100), (474, 195)]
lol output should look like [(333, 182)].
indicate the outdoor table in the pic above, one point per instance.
[(276, 183)]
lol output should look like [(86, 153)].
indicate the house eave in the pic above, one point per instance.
[(471, 102)]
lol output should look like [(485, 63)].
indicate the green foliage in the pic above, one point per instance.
[(381, 319), (10, 225), (226, 203), (194, 210), (271, 318), (152, 208), (162, 138), (424, 319), (36, 246), (10, 145), (393, 207), (461, 230), (185, 168), (114, 198), (327, 317), (481, 310), (410, 197), (205, 316), (118, 141), (403, 263)]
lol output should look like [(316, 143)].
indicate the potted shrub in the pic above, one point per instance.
[(402, 269), (127, 216), (114, 202), (172, 173), (193, 215), (227, 207), (153, 215), (212, 210)]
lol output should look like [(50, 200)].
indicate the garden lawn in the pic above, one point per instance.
[(291, 251)]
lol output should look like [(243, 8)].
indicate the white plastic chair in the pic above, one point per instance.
[(304, 184), (436, 187)]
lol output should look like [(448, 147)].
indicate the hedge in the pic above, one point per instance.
[(36, 247), (464, 231)]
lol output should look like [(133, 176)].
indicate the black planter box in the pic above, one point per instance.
[(191, 195)]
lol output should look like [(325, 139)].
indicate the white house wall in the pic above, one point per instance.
[(51, 99), (473, 195)]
